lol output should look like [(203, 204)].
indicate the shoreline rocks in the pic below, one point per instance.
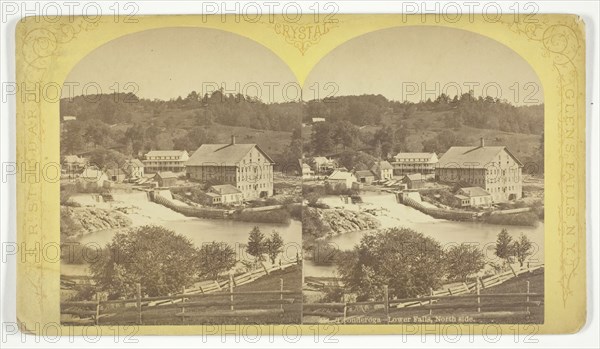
[(345, 221), (92, 219)]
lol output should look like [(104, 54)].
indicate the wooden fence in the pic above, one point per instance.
[(91, 312), (457, 292)]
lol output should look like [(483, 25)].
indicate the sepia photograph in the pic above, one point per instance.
[(180, 191), (298, 172), (423, 181)]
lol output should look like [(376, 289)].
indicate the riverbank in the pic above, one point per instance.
[(447, 232), (137, 207)]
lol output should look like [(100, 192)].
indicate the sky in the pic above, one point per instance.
[(417, 63), (405, 63), (171, 62)]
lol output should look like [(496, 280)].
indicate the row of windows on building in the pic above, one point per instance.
[(164, 158), (164, 163), (412, 160), (500, 189), (250, 186)]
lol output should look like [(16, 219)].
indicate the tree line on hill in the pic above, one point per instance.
[(370, 124), (479, 112), (218, 107)]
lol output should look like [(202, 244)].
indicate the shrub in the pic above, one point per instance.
[(159, 259), (406, 261), (523, 219), (273, 216)]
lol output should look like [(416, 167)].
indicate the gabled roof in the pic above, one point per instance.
[(222, 154), (166, 174), (321, 160), (338, 175), (166, 153), (474, 191), (74, 159), (115, 172), (225, 189), (382, 165), (364, 173), (92, 173), (472, 157), (414, 177), (135, 162)]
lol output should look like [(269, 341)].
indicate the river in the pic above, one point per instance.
[(444, 231), (198, 230)]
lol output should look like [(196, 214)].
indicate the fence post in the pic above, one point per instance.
[(466, 287), (482, 284), (97, 308), (513, 270), (345, 308), (431, 300), (182, 305), (281, 293), (386, 303), (527, 296), (231, 290), (478, 298), (265, 268), (139, 302)]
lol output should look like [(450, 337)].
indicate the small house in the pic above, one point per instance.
[(364, 176), (383, 170), (307, 172), (413, 181), (92, 178), (473, 197), (223, 194), (116, 174), (342, 177), (323, 164), (165, 178), (74, 164), (134, 168)]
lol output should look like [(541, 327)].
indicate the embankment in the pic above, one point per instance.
[(190, 211), (92, 219), (338, 221)]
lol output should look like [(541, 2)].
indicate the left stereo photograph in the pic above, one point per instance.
[(180, 188)]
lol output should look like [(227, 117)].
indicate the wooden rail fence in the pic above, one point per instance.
[(459, 292), (91, 312)]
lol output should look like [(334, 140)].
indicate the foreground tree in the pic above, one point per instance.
[(504, 246), (274, 246), (523, 248), (215, 258), (157, 258), (256, 244), (407, 261), (463, 260)]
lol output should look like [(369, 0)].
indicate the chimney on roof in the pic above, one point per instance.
[(232, 139), (482, 142)]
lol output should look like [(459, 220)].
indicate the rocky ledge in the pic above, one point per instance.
[(344, 221), (91, 219)]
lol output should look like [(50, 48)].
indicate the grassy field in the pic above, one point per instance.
[(516, 285), (292, 281), (499, 310)]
